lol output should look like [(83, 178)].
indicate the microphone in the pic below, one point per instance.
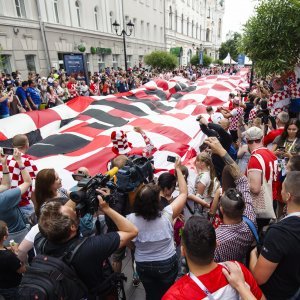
[(112, 172)]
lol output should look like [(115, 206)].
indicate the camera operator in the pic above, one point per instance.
[(59, 225)]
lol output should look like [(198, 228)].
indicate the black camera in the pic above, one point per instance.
[(86, 198)]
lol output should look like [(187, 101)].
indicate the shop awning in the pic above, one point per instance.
[(177, 51)]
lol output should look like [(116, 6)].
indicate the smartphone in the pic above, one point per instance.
[(281, 149), (171, 158), (7, 151)]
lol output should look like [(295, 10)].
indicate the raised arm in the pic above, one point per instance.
[(5, 183), (26, 177), (127, 230), (179, 202)]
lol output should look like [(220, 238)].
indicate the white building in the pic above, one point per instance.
[(35, 34)]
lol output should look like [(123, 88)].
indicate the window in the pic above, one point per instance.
[(193, 27), (154, 33), (207, 34), (187, 26), (176, 17), (219, 28), (197, 29), (148, 31), (5, 65), (55, 9), (129, 60), (134, 22), (170, 18), (96, 18), (20, 7), (142, 29), (111, 15), (30, 62), (182, 23), (78, 13), (200, 32), (115, 59), (101, 63)]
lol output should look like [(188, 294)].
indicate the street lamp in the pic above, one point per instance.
[(199, 51), (129, 26)]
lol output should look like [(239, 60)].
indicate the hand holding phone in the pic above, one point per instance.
[(171, 159), (7, 151)]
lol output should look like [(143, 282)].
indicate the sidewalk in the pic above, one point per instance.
[(132, 293)]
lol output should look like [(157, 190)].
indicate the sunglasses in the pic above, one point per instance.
[(254, 141)]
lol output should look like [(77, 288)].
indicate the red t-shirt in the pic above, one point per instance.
[(186, 289), (95, 88), (269, 138), (270, 160)]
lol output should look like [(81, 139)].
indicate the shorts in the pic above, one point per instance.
[(119, 254)]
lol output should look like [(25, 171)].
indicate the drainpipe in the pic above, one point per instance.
[(42, 27)]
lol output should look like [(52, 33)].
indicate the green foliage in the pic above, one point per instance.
[(230, 46), (161, 60), (272, 36), (218, 62), (206, 60)]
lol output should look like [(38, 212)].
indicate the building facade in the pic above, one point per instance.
[(35, 34)]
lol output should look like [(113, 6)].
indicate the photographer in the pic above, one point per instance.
[(10, 198), (5, 100), (59, 225)]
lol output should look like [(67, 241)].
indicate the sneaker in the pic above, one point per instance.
[(135, 279)]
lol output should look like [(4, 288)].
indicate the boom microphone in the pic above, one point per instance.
[(112, 172)]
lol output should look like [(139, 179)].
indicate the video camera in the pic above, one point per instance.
[(137, 170), (86, 198)]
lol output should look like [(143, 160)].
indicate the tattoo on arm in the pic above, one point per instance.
[(234, 168)]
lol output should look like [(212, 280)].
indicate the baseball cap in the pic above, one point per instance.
[(253, 133)]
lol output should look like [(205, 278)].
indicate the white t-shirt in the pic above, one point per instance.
[(204, 178), (155, 240), (30, 236)]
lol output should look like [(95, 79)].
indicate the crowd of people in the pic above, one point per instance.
[(34, 92), (225, 226)]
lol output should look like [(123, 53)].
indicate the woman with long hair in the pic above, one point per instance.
[(48, 185), (155, 253), (206, 181), (285, 147)]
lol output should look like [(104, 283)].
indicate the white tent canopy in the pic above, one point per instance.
[(228, 60), (248, 61)]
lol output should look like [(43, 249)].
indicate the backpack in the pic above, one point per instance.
[(52, 278)]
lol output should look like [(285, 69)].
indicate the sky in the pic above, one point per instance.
[(236, 14)]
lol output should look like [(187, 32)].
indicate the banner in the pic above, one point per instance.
[(201, 57), (241, 59)]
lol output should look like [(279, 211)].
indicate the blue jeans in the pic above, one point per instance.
[(157, 276), (10, 294)]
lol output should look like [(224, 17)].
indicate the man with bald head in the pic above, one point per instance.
[(224, 123)]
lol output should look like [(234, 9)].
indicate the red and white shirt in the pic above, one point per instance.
[(94, 87), (16, 176), (216, 283), (72, 89), (236, 113), (270, 165)]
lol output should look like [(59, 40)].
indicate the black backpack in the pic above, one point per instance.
[(52, 278)]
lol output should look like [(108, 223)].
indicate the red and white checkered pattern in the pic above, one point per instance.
[(234, 121), (16, 176), (279, 102), (252, 114), (120, 142)]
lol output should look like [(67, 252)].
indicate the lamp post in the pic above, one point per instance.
[(199, 52), (130, 26)]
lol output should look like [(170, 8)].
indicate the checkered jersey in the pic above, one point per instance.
[(252, 114), (279, 102), (234, 240), (294, 90), (16, 176), (234, 121)]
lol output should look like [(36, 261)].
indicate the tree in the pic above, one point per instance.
[(161, 60), (272, 36), (206, 60), (230, 46)]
